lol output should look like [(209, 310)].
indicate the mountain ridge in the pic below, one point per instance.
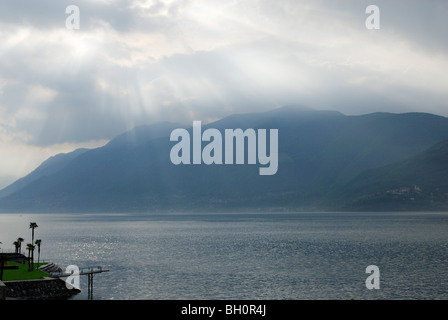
[(319, 152)]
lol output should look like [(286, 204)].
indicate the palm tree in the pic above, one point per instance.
[(33, 225), (20, 240), (38, 242), (16, 244), (30, 249)]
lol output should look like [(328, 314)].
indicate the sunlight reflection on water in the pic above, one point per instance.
[(246, 256)]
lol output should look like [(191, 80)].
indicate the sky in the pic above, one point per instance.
[(137, 62)]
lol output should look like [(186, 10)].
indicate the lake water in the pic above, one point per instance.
[(292, 256)]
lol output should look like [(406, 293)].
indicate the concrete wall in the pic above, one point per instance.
[(2, 291), (49, 288)]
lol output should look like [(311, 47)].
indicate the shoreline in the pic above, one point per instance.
[(44, 288), (38, 289)]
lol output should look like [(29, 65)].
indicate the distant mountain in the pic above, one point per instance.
[(418, 183), (48, 167), (327, 161)]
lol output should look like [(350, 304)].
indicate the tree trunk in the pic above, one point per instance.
[(29, 260)]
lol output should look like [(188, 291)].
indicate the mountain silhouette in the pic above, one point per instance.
[(326, 161)]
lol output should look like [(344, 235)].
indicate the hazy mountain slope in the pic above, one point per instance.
[(418, 183), (48, 167), (319, 152)]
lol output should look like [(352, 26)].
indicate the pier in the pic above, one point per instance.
[(89, 271)]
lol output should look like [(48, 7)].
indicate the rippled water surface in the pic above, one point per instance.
[(246, 256)]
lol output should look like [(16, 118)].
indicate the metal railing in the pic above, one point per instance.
[(82, 271)]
